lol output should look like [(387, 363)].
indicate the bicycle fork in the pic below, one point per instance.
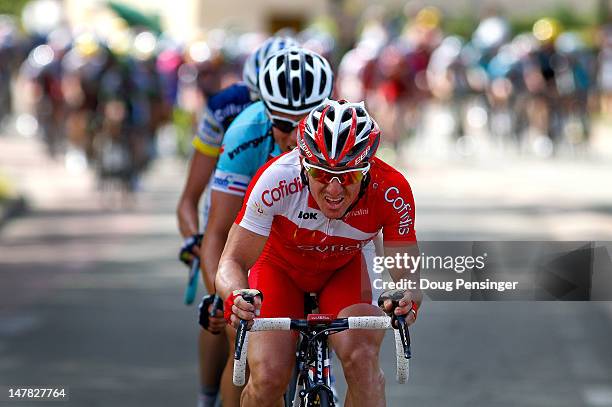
[(315, 376)]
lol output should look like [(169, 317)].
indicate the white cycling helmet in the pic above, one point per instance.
[(255, 61), (295, 80)]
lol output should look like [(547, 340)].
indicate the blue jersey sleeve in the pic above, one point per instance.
[(221, 109), (247, 145)]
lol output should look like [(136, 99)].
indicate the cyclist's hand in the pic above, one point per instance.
[(400, 303), (237, 308), (195, 250), (190, 249), (409, 307), (211, 314), (217, 322)]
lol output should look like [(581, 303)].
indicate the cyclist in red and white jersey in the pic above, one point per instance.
[(306, 217)]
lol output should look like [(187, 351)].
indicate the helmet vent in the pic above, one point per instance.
[(268, 83), (327, 135), (322, 84), (315, 122), (360, 127), (282, 88), (295, 88), (347, 116), (331, 115), (309, 80)]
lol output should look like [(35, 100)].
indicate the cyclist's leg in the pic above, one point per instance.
[(212, 350), (358, 352), (271, 359), (213, 353), (271, 354), (348, 293), (230, 394)]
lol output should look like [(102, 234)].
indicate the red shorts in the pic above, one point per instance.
[(284, 295)]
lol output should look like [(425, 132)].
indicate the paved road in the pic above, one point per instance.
[(90, 298)]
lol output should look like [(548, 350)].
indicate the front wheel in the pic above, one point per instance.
[(324, 399), (321, 399)]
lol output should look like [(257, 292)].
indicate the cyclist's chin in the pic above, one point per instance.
[(334, 211), (333, 214)]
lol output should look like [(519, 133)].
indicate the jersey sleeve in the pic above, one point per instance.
[(209, 136), (256, 214), (397, 207), (237, 163)]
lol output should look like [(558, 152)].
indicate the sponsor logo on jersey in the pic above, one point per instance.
[(307, 215), (402, 208), (258, 209), (246, 145), (230, 111), (229, 183), (284, 189), (333, 248), (358, 212)]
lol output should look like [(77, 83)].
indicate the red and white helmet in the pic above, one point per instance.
[(338, 134)]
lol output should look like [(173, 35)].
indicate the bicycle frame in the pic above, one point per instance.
[(313, 361)]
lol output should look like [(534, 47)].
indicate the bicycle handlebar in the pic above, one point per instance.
[(340, 324)]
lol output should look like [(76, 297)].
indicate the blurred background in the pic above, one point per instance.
[(499, 114)]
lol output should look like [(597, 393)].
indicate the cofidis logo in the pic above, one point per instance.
[(284, 189), (403, 208)]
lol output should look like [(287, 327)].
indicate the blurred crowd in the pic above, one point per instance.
[(100, 99), (532, 90)]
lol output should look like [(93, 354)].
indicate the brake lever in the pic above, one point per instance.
[(404, 335), (242, 330)]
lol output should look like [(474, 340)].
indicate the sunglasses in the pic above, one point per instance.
[(344, 177), (282, 123)]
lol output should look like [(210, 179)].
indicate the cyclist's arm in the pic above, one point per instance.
[(412, 250), (223, 210), (206, 144), (247, 238), (399, 237), (242, 249), (200, 170)]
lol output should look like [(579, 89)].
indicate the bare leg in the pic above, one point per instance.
[(271, 358), (358, 351), (229, 392), (212, 353)]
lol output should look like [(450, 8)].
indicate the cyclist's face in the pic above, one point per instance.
[(333, 198), (284, 135)]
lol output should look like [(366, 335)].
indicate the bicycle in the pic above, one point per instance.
[(313, 386)]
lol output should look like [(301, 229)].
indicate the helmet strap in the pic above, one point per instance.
[(304, 178)]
